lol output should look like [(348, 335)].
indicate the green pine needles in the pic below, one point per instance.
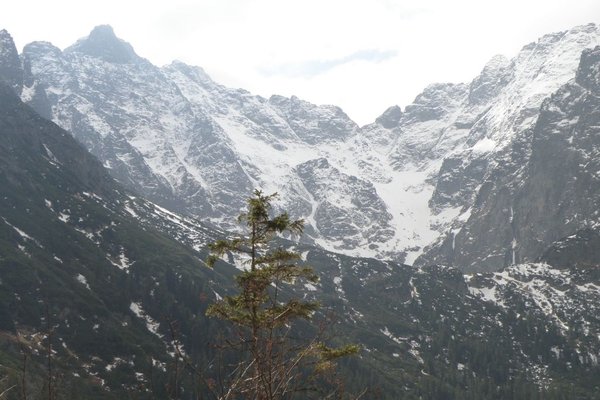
[(276, 360)]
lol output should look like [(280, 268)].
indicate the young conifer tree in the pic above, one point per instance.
[(275, 363)]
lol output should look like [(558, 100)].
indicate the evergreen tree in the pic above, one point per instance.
[(275, 362)]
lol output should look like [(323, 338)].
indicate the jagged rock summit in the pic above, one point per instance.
[(390, 117), (104, 44), (10, 65)]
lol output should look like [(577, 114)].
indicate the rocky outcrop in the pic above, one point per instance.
[(11, 71), (390, 117)]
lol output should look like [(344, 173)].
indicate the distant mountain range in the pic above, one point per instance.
[(391, 189)]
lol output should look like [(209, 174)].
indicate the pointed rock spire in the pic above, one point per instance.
[(390, 117), (11, 71)]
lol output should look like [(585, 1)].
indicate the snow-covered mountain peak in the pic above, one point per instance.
[(537, 71), (104, 44)]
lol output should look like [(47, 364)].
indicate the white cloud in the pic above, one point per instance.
[(308, 46), (313, 68)]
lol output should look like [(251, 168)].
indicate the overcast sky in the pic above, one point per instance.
[(363, 55)]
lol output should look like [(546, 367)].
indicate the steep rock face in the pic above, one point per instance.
[(10, 65), (16, 73), (562, 193), (578, 251), (588, 73), (345, 208), (495, 75), (27, 140), (544, 188), (34, 92), (491, 214)]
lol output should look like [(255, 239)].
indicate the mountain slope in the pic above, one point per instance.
[(74, 262)]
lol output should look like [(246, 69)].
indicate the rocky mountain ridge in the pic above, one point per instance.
[(398, 188), (388, 189)]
